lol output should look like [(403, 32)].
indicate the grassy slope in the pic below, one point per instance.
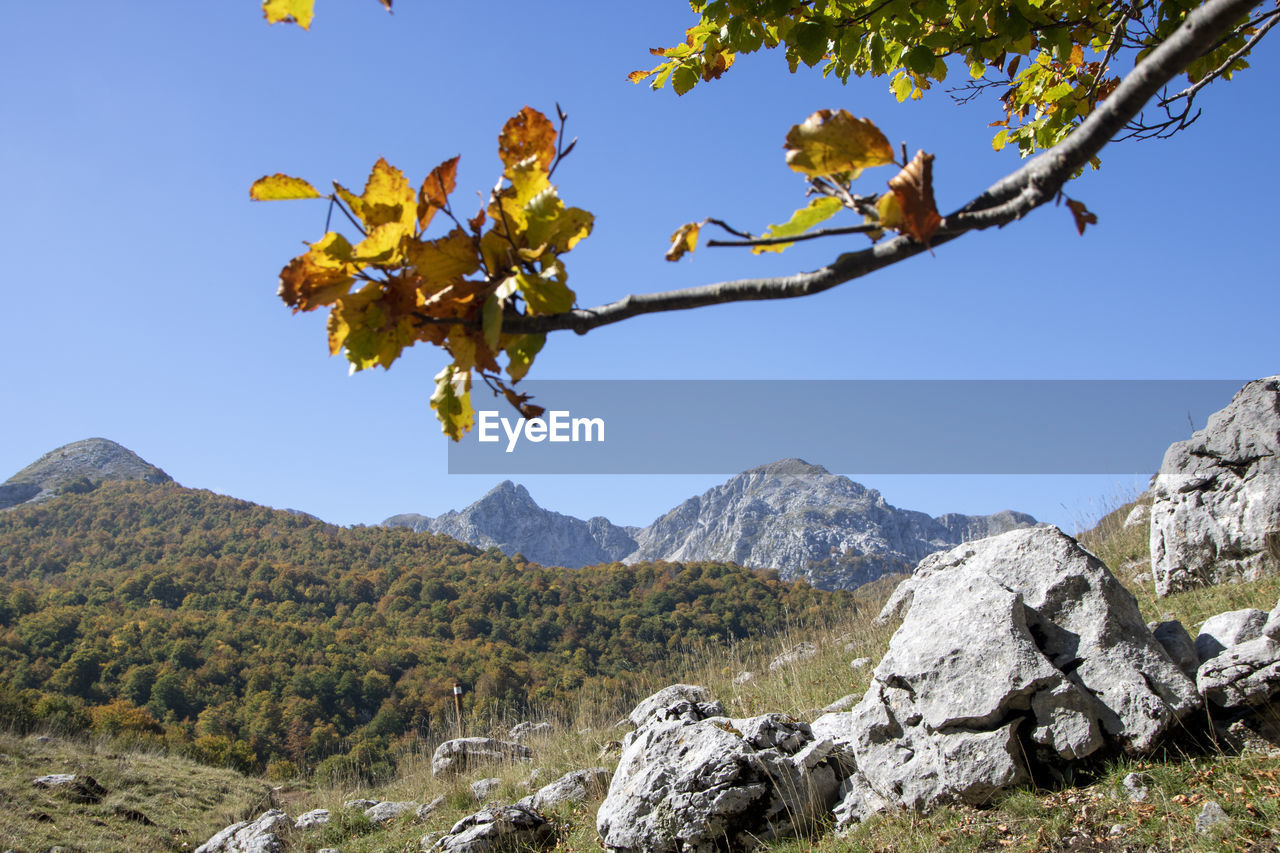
[(1075, 817)]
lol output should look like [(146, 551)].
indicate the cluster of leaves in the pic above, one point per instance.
[(831, 149), (1033, 51), (394, 287), (245, 636)]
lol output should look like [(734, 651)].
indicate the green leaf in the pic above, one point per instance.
[(520, 354), (818, 210), (919, 59), (810, 41), (491, 321), (452, 401), (683, 79)]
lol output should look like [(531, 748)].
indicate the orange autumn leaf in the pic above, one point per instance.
[(1081, 214), (435, 191), (913, 188), (527, 134)]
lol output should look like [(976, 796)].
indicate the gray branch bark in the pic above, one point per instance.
[(1010, 198)]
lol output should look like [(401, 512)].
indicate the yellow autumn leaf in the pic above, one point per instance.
[(827, 143), (388, 198), (685, 239), (444, 260), (320, 276), (280, 187), (298, 12), (382, 246)]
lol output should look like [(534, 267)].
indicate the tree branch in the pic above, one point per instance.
[(1010, 198)]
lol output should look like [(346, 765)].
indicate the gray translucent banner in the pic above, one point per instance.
[(852, 426)]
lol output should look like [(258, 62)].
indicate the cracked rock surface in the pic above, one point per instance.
[(1019, 645), (1215, 512), (692, 784)]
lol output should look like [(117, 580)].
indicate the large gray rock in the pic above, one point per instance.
[(251, 836), (1215, 512), (577, 787), (1018, 644), (718, 784), (1228, 629), (499, 828), (458, 756)]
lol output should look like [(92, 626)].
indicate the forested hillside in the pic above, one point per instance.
[(245, 636)]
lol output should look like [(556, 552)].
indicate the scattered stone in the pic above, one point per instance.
[(499, 828), (1117, 830), (42, 739), (793, 655), (609, 748), (677, 700), (256, 836), (521, 732), (328, 850), (384, 812), (859, 663), (1246, 674), (1210, 817), (75, 787), (360, 805), (483, 789), (428, 842), (427, 809), (455, 757), (1215, 513), (844, 703), (312, 819), (576, 787), (716, 784), (1137, 516), (1225, 630), (744, 677), (1137, 787), (1173, 635)]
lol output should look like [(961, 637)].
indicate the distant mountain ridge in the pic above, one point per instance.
[(509, 519), (93, 459), (789, 515)]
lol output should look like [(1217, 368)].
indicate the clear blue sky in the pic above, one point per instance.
[(140, 299)]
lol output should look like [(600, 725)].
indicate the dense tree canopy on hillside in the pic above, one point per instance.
[(246, 635)]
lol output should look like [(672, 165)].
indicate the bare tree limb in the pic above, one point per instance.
[(1010, 198)]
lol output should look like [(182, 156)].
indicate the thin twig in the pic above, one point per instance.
[(808, 235)]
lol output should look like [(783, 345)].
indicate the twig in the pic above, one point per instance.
[(808, 235)]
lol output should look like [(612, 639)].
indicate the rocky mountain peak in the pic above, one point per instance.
[(92, 460)]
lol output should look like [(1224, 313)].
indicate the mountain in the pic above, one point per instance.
[(509, 519), (789, 515), (809, 523), (78, 466)]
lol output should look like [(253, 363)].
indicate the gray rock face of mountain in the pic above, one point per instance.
[(1215, 508), (508, 518), (412, 520), (94, 459), (811, 524)]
